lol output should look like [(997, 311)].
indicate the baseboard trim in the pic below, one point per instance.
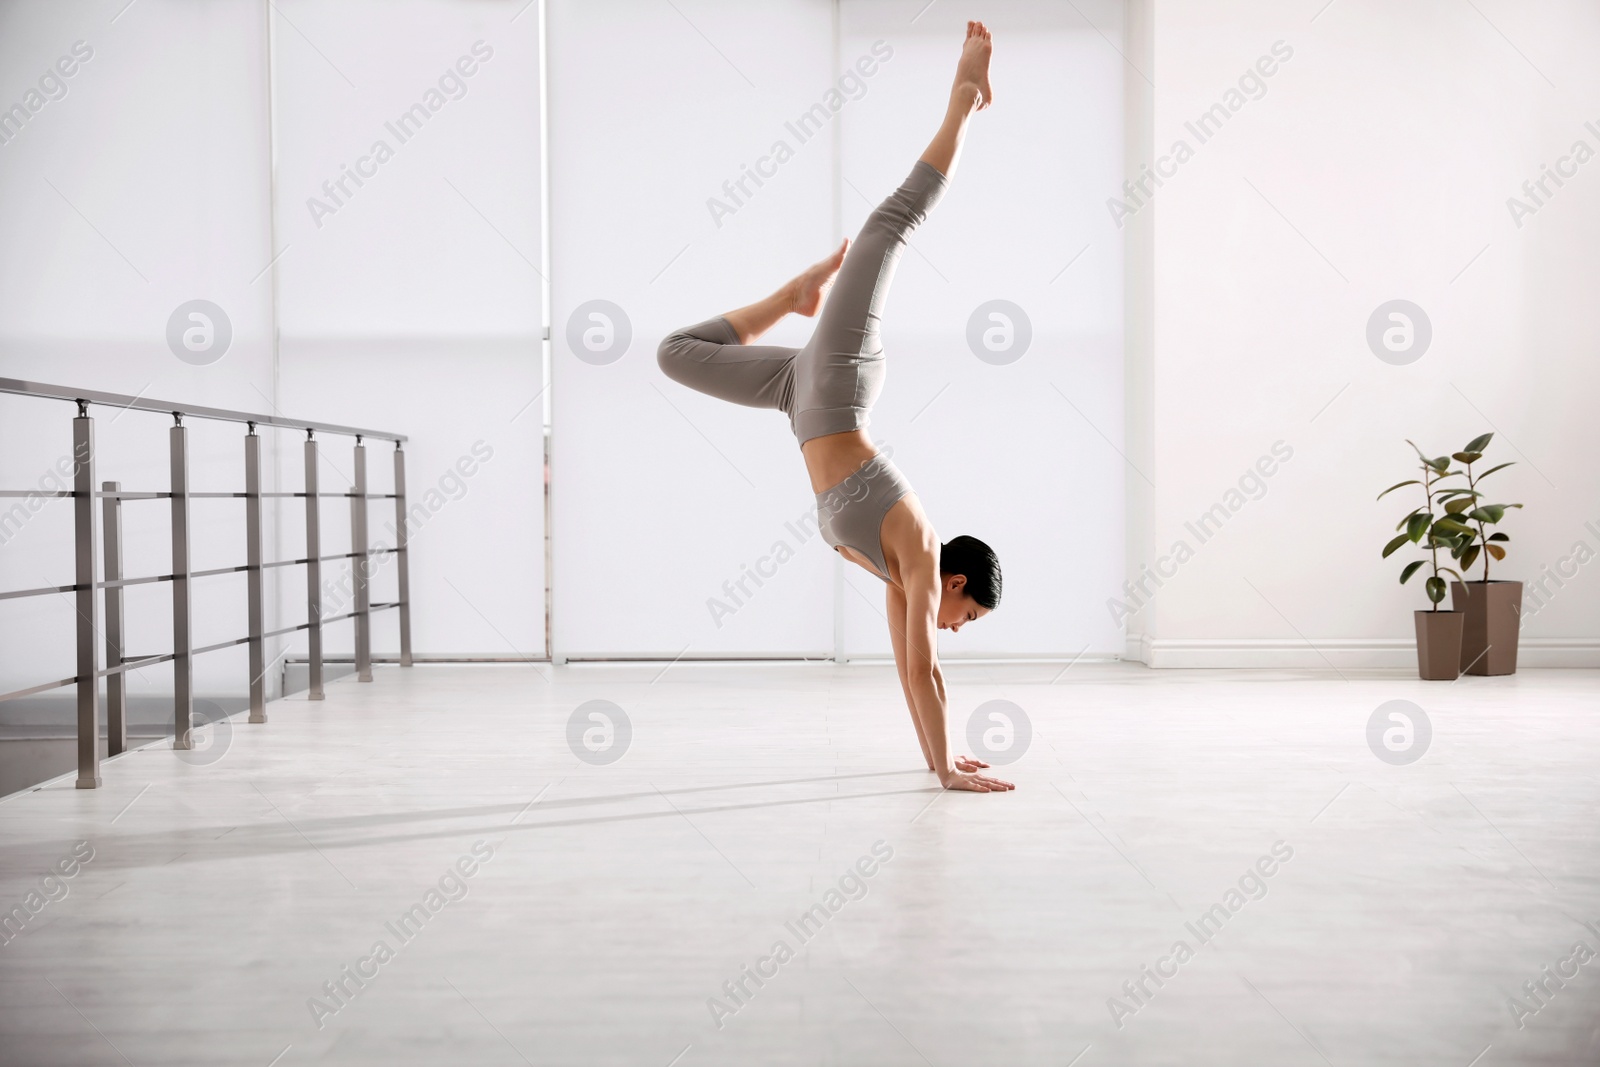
[(1176, 653), (1342, 654), (734, 659)]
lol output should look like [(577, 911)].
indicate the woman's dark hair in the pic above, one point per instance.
[(975, 560)]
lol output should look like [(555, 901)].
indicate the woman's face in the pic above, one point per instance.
[(956, 608)]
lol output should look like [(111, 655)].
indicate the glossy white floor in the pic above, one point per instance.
[(1406, 905)]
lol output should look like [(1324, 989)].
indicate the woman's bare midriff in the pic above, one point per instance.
[(834, 457)]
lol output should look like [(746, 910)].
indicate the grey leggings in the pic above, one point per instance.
[(830, 385)]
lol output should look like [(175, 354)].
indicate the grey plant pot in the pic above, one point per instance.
[(1439, 645), (1493, 614)]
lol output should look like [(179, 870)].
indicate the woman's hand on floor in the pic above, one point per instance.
[(968, 781)]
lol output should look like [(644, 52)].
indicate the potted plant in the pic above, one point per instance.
[(1491, 610), (1438, 632)]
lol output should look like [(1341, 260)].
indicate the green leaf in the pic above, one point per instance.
[(1499, 537), (1478, 444), (1452, 527), (1389, 549), (1488, 513), (1436, 589), (1411, 568), (1446, 494), (1457, 506), (1469, 557), (1496, 551), (1402, 522), (1440, 463), (1491, 470), (1416, 526), (1447, 570), (1466, 457), (1397, 485)]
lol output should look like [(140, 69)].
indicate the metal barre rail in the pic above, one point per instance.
[(88, 589), (165, 407)]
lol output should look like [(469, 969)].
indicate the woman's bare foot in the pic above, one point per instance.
[(811, 286), (973, 69)]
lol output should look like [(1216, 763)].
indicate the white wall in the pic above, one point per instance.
[(662, 496), (413, 300), (1015, 454), (143, 187), (414, 307), (1370, 169), (1377, 166)]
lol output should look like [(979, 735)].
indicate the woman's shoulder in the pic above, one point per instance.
[(910, 543)]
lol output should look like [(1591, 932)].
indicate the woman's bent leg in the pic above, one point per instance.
[(708, 358)]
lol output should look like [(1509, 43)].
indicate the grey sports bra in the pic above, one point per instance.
[(851, 513)]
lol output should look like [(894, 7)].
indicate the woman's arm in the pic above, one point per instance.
[(897, 638), (925, 682)]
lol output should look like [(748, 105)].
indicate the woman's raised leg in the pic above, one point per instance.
[(841, 371), (970, 93), (837, 382)]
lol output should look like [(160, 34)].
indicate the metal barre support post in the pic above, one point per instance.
[(254, 610), (358, 565), (182, 602), (313, 575), (87, 603), (402, 554), (116, 684)]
